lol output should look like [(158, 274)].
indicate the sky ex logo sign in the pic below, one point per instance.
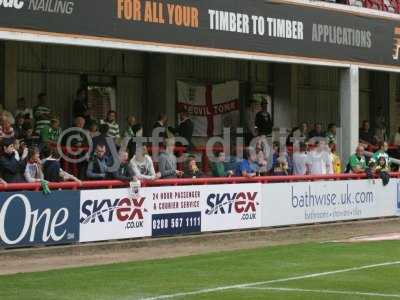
[(18, 4), (126, 210), (233, 203)]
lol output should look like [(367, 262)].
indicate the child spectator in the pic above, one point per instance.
[(219, 168), (193, 170), (248, 167), (51, 133), (299, 160), (33, 169)]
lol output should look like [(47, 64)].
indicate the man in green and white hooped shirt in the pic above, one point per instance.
[(113, 126), (382, 152), (41, 113)]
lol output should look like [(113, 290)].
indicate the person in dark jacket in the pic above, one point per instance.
[(125, 171), (186, 128), (11, 166), (81, 108), (263, 121), (98, 167), (52, 170)]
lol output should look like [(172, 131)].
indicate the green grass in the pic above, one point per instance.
[(169, 276)]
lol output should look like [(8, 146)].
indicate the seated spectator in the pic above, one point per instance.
[(22, 110), (299, 160), (11, 166), (93, 129), (219, 167), (143, 166), (18, 127), (104, 139), (168, 162), (193, 171), (318, 161), (125, 171), (21, 151), (248, 167), (7, 129), (381, 152), (134, 129), (335, 159), (331, 134), (281, 166), (98, 167), (30, 139), (6, 115), (357, 163), (52, 132), (366, 136), (261, 158), (317, 133), (113, 127), (33, 169), (52, 170)]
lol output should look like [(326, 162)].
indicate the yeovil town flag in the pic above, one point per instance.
[(210, 106)]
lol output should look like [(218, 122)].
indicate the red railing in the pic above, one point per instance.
[(108, 184)]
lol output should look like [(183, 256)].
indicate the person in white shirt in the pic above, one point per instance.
[(22, 110), (318, 161), (143, 166), (300, 160)]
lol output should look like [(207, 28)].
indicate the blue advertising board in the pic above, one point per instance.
[(176, 223), (32, 218)]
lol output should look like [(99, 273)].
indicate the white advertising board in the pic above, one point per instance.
[(231, 206), (114, 214), (327, 201)]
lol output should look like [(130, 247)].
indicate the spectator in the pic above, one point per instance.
[(263, 121), (281, 166), (80, 108), (193, 170), (134, 129), (382, 169), (8, 130), (21, 151), (167, 161), (335, 159), (381, 152), (41, 111), (161, 127), (366, 136), (331, 134), (18, 127), (380, 125), (318, 161), (299, 160), (396, 138), (52, 171), (248, 167), (104, 139), (33, 169), (252, 110), (98, 167), (30, 139), (22, 110), (52, 132), (75, 136), (93, 129), (317, 133), (186, 128), (143, 165), (11, 166), (357, 163), (219, 168), (43, 122), (125, 171), (113, 127), (6, 115), (261, 158)]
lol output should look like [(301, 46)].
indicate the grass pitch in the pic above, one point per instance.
[(307, 271)]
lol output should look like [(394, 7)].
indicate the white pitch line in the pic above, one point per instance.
[(351, 293), (245, 285)]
